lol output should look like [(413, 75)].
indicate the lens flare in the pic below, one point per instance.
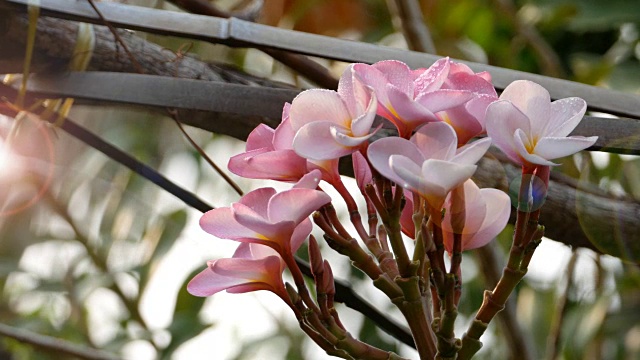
[(537, 193), (16, 169)]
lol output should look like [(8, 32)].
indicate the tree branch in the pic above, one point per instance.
[(407, 18), (572, 216), (54, 344), (302, 64), (519, 341)]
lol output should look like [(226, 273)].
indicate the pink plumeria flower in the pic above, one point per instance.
[(269, 218), (485, 216), (332, 124), (468, 119), (270, 155), (361, 170), (410, 98), (253, 267), (407, 225), (430, 164), (530, 129)]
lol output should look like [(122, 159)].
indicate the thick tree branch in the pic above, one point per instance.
[(572, 216), (407, 18)]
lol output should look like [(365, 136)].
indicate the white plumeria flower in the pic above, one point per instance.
[(429, 164), (530, 129)]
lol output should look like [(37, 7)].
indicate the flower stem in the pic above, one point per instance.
[(526, 237)]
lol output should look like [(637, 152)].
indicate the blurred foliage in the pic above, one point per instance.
[(78, 263)]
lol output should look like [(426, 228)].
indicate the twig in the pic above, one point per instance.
[(227, 179), (117, 37), (550, 61), (555, 333), (491, 264), (54, 344), (407, 17), (302, 64)]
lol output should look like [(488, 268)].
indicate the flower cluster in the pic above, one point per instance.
[(417, 183)]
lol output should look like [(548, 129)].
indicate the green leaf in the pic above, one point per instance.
[(171, 228), (186, 323)]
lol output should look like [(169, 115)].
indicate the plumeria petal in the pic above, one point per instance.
[(373, 78), (284, 133), (351, 142), (470, 82), (533, 100), (446, 175), (486, 214), (406, 217), (502, 120), (296, 204), (207, 283), (283, 165), (465, 124), (441, 100), (258, 200), (220, 222), (407, 110), (361, 170), (260, 138), (407, 171), (434, 77), (409, 174), (396, 73), (379, 152), (556, 147), (566, 114), (265, 230), (316, 141), (318, 105), (310, 180), (473, 152), (523, 147), (361, 125), (498, 209), (435, 141), (249, 269), (300, 234)]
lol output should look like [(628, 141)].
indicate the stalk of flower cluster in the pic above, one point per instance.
[(448, 344), (323, 321), (412, 303), (349, 247), (527, 235)]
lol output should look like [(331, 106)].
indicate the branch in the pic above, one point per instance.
[(302, 64), (571, 216), (550, 61), (407, 18), (519, 342), (239, 33), (54, 344)]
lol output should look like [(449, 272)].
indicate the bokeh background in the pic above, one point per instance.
[(94, 254)]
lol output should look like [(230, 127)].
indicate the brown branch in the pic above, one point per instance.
[(53, 344), (407, 18), (572, 216), (555, 333), (301, 64), (549, 60), (518, 341)]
